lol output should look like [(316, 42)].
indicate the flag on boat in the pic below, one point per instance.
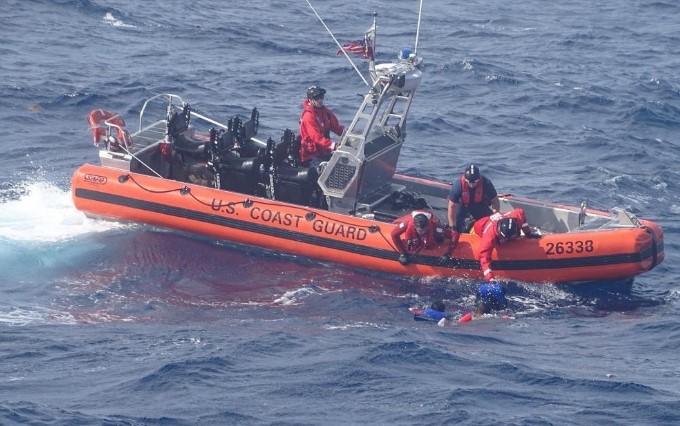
[(365, 47)]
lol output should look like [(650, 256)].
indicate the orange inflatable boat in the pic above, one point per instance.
[(186, 171), (618, 247)]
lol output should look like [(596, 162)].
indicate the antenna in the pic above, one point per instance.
[(420, 12), (338, 43)]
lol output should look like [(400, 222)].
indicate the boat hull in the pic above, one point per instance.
[(364, 243)]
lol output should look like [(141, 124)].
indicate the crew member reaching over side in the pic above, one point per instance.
[(498, 229), (422, 229)]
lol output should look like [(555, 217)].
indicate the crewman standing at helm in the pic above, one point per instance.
[(316, 124)]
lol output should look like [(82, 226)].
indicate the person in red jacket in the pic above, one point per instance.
[(423, 230), (498, 229), (316, 123)]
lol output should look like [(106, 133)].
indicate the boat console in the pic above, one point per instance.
[(359, 175)]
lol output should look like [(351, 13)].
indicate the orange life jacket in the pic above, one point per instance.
[(465, 194)]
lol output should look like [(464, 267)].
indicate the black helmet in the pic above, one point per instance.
[(315, 92), (438, 306), (508, 228), (472, 173), (421, 221)]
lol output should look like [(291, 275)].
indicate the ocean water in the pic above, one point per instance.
[(105, 323)]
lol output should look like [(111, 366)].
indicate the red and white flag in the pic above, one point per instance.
[(365, 47)]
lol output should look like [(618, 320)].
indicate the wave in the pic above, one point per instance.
[(655, 114), (662, 6), (40, 212), (492, 73), (109, 18)]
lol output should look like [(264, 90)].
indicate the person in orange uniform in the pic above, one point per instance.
[(422, 229), (498, 229), (316, 124)]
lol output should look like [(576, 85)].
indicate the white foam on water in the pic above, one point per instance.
[(18, 316), (293, 297), (112, 20), (45, 213)]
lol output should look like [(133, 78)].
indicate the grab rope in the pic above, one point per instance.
[(247, 203)]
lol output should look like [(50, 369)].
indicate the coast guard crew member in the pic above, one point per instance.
[(498, 229), (472, 197)]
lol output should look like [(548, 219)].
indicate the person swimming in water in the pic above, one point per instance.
[(490, 297), (435, 313)]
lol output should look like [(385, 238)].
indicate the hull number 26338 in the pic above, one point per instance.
[(569, 247)]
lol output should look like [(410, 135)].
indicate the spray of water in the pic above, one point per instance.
[(42, 212)]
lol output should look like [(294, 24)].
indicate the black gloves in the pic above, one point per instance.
[(404, 259), (534, 235)]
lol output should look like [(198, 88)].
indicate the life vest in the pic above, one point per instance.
[(100, 120), (428, 314), (415, 241), (465, 194)]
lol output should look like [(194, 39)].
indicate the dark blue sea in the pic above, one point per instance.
[(105, 323)]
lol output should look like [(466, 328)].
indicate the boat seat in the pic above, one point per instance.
[(280, 153), (194, 148), (225, 141), (287, 150), (239, 136), (249, 130), (251, 147), (239, 174), (179, 133), (179, 122), (296, 184)]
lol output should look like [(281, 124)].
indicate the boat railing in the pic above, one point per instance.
[(552, 218), (626, 219), (618, 218), (169, 97), (170, 104)]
